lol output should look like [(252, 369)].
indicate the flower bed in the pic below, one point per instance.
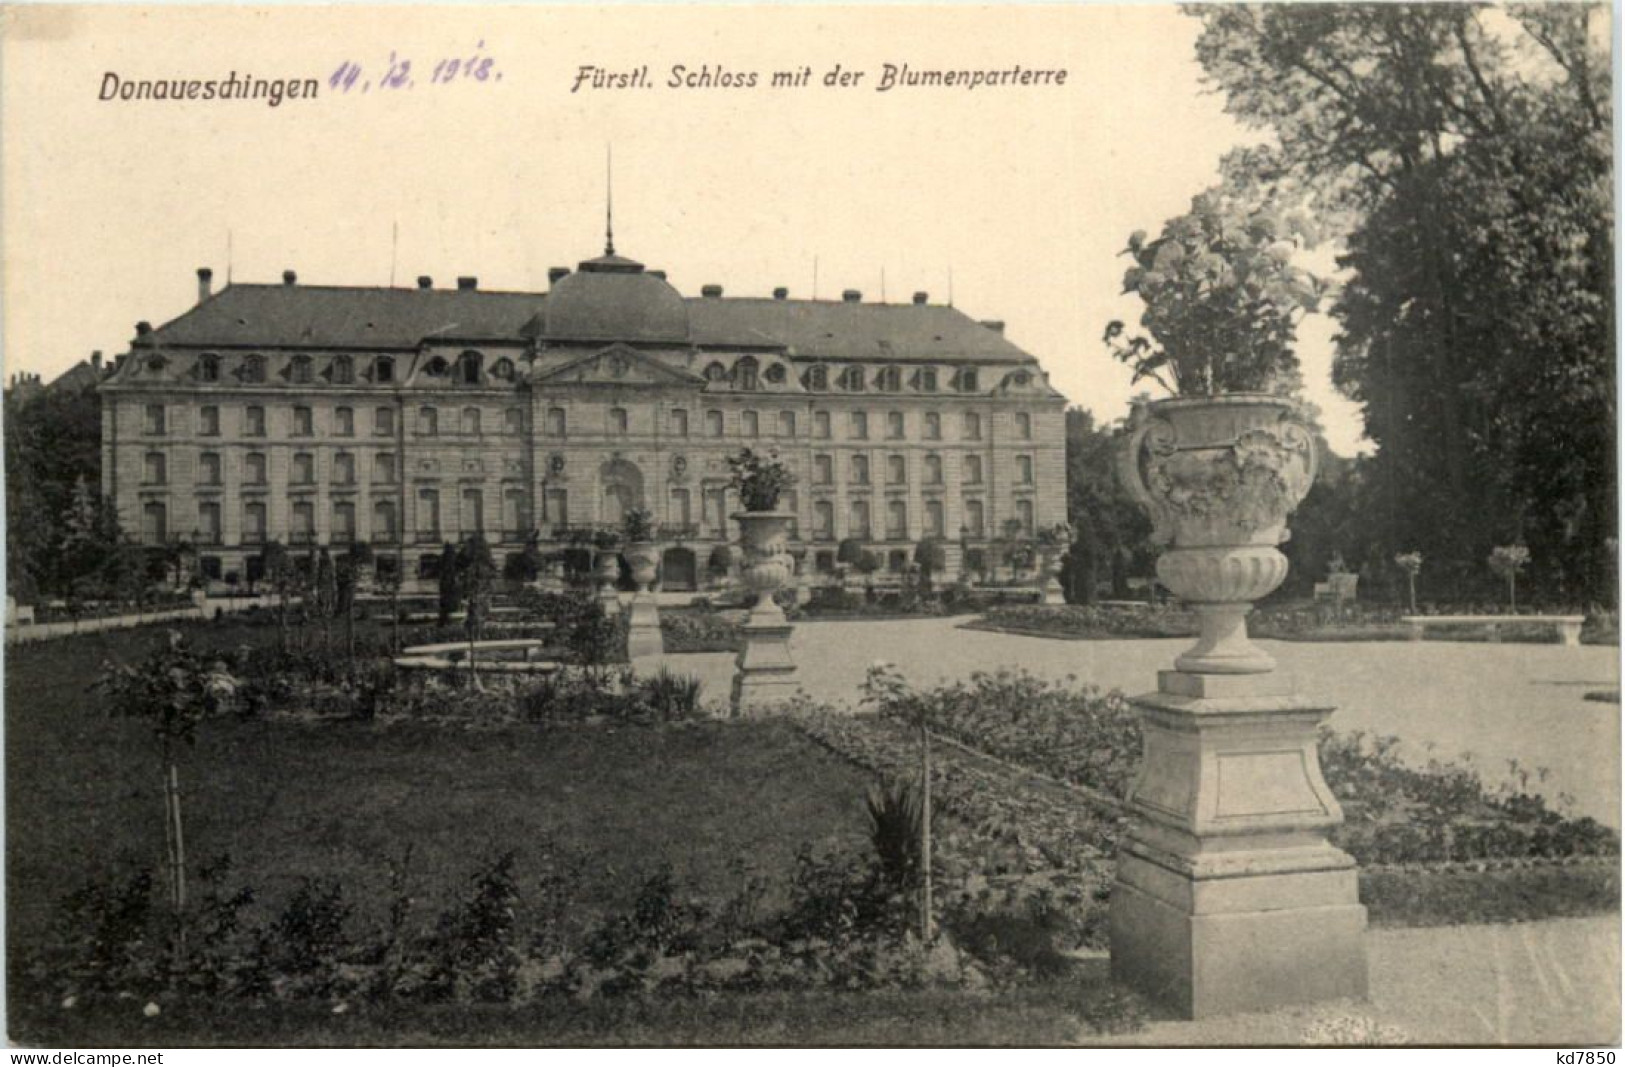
[(701, 630)]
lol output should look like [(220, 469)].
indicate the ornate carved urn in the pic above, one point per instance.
[(644, 559), (1049, 572), (1219, 476), (643, 626), (765, 672)]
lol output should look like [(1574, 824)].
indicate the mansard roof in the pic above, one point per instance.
[(589, 306)]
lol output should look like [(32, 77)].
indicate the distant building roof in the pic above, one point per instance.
[(606, 299)]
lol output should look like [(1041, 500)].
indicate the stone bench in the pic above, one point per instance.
[(1568, 626), (459, 649)]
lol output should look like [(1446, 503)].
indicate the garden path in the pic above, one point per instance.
[(1500, 703)]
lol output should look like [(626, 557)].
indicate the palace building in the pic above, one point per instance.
[(410, 417)]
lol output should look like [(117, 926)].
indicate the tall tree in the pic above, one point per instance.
[(1111, 533), (1467, 158)]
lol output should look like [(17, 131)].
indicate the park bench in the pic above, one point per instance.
[(1568, 626)]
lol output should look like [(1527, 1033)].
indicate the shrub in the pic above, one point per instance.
[(894, 831), (671, 697)]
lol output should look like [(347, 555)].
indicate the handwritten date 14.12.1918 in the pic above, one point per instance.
[(401, 73)]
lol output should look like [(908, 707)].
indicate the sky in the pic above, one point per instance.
[(1015, 199)]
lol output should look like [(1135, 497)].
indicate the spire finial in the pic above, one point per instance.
[(609, 200)]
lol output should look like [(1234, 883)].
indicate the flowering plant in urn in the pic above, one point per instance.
[(642, 555), (760, 479), (1221, 465)]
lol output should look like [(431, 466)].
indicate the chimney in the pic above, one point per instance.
[(781, 293), (555, 273), (657, 274), (711, 291), (467, 281), (996, 325), (290, 278), (205, 280), (425, 282), (96, 360), (922, 297), (852, 296), (142, 329)]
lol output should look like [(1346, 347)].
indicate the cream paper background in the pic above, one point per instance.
[(1025, 195)]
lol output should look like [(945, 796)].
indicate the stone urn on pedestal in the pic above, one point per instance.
[(1229, 898), (764, 672), (1052, 543), (643, 557), (606, 572)]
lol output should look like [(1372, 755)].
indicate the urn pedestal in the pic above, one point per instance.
[(607, 573), (1049, 570), (765, 672), (643, 630), (1228, 896)]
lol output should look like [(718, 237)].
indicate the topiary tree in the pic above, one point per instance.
[(849, 551), (173, 690), (475, 572), (279, 571), (326, 595), (389, 581), (1507, 561), (450, 595), (932, 556), (1411, 564)]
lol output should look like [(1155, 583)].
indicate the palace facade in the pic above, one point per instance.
[(410, 417)]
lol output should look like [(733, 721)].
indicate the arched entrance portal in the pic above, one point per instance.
[(679, 570), (622, 485)]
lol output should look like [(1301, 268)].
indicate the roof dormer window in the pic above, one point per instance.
[(469, 365), (816, 378), (889, 380), (745, 372), (775, 374), (715, 372), (436, 368), (208, 367)]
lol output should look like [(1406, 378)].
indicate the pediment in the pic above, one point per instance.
[(619, 365)]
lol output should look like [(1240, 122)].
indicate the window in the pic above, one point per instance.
[(823, 520), (154, 523), (716, 510), (1024, 470), (1024, 426), (750, 424), (787, 424), (852, 379), (973, 426), (254, 421), (894, 425), (344, 469), (208, 367), (302, 523), (253, 369), (383, 469), (860, 470), (514, 523), (473, 515), (208, 522), (715, 372), (792, 503), (344, 422), (502, 369), (343, 371), (858, 526), (383, 521), (933, 469), (975, 523), (817, 378), (713, 424), (821, 425), (428, 422), (1024, 515), (513, 420), (967, 381), (617, 421), (470, 421), (342, 531), (745, 375), (383, 421), (896, 520), (436, 367), (468, 367), (154, 421), (299, 371), (555, 422), (679, 422), (775, 374), (253, 522), (933, 518), (823, 470), (208, 421), (933, 426), (304, 423), (860, 425), (254, 468), (383, 369), (889, 380), (208, 469), (681, 512), (896, 470), (973, 470), (428, 514), (303, 471), (154, 469), (556, 507), (928, 379)]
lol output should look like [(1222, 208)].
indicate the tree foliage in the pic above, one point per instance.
[(1465, 153)]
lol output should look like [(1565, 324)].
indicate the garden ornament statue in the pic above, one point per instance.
[(764, 672)]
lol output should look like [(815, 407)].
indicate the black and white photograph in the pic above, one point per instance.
[(872, 526)]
